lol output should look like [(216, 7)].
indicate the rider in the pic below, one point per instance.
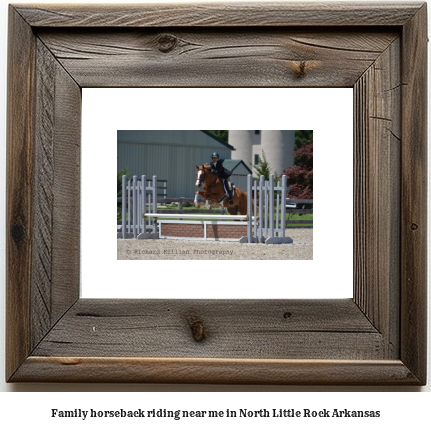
[(220, 171)]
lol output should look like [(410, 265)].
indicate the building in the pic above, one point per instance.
[(172, 155), (278, 145)]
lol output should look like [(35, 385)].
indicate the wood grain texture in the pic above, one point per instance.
[(66, 188), (43, 191), (216, 58), (216, 371), (234, 329), (19, 200), (378, 338), (377, 101), (220, 14), (43, 194), (414, 195), (55, 278)]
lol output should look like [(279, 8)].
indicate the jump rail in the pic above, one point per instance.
[(198, 216)]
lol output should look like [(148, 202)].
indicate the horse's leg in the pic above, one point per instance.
[(240, 200), (222, 205), (242, 203), (237, 201), (231, 209), (207, 204), (243, 207), (199, 192)]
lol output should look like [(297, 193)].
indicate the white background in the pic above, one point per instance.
[(402, 408), (329, 112)]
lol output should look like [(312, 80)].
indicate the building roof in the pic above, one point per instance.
[(218, 140), (231, 165), (175, 137)]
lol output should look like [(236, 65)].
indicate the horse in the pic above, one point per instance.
[(214, 192)]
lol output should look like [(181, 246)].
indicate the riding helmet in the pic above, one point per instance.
[(215, 155)]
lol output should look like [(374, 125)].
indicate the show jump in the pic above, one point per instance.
[(262, 209)]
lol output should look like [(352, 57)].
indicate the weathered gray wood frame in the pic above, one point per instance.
[(378, 337)]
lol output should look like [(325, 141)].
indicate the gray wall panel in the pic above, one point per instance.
[(173, 158)]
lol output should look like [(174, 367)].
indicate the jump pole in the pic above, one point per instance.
[(144, 203), (123, 207), (198, 216), (271, 206), (125, 210), (261, 204), (152, 204), (249, 210), (283, 239)]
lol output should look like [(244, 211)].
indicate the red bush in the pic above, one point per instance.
[(300, 175)]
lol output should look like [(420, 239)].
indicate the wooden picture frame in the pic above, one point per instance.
[(378, 337)]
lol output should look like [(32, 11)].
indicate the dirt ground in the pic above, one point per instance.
[(163, 249)]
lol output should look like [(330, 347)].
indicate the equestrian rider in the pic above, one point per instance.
[(218, 169)]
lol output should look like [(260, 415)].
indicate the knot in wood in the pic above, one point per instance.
[(414, 226), (18, 233), (167, 42), (300, 69), (197, 328)]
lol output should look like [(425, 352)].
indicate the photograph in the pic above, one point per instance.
[(219, 194)]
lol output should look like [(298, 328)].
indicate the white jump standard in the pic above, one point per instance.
[(271, 206)]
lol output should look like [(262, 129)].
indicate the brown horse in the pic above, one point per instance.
[(214, 191)]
